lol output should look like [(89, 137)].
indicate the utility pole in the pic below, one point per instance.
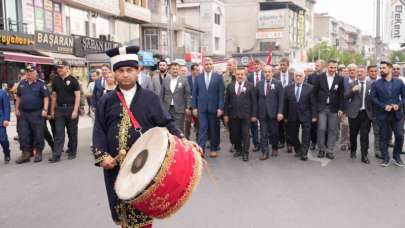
[(378, 32), (170, 30)]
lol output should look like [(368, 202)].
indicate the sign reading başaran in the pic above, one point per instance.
[(54, 42)]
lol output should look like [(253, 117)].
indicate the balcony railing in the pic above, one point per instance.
[(14, 25)]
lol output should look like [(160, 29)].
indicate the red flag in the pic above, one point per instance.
[(251, 65), (269, 60)]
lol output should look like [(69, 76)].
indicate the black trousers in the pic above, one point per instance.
[(239, 133), (48, 135), (360, 124), (63, 119), (283, 135), (314, 130), (293, 128), (268, 134)]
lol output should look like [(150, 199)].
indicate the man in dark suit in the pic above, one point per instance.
[(99, 85), (319, 69), (329, 93), (388, 97), (239, 111), (175, 95), (255, 78), (359, 112), (286, 78), (208, 105), (300, 110), (195, 70), (270, 112)]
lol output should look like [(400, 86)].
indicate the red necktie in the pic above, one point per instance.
[(257, 77), (239, 89), (268, 88)]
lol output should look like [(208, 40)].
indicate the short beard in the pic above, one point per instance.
[(383, 74)]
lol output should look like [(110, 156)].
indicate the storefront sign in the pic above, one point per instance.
[(88, 45), (12, 40), (54, 42), (396, 17), (57, 18), (261, 35), (272, 19)]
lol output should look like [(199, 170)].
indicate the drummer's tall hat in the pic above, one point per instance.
[(126, 56)]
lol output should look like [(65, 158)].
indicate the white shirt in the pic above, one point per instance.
[(237, 87), (140, 77), (255, 77), (363, 96), (173, 83), (207, 76), (284, 78), (129, 95), (330, 80)]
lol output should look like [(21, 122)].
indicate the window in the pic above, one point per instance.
[(217, 19), (150, 39), (216, 43)]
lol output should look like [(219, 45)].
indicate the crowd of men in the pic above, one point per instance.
[(267, 108)]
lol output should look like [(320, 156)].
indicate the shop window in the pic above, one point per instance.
[(217, 19)]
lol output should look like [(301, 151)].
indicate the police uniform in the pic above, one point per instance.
[(31, 105), (112, 132), (4, 116)]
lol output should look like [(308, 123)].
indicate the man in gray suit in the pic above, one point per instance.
[(144, 79), (176, 96), (359, 112)]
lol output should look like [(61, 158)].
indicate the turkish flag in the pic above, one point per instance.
[(251, 65), (269, 60)]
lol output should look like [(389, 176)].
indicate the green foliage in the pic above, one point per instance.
[(397, 56), (326, 52)]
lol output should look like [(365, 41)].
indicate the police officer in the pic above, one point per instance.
[(31, 108), (65, 111)]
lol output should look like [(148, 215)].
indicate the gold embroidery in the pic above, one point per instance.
[(123, 135), (99, 156), (131, 217), (160, 202)]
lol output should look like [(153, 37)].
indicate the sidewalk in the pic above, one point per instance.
[(84, 122)]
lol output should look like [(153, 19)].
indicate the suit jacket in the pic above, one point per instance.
[(335, 94), (145, 81), (181, 96), (354, 100), (270, 104), (251, 77), (190, 83), (347, 87), (303, 110), (98, 91), (156, 84), (290, 77), (312, 78), (4, 107), (243, 106), (211, 99), (380, 96), (228, 79)]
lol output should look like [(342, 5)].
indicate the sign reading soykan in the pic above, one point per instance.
[(13, 40), (88, 45), (54, 42)]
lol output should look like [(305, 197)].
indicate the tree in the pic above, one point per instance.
[(326, 52), (397, 56)]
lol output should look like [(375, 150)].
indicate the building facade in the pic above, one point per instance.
[(208, 16)]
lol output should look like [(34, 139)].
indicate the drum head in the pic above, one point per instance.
[(142, 163)]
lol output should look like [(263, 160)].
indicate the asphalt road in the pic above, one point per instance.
[(282, 192)]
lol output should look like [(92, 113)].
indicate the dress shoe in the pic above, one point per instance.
[(321, 154), (264, 156), (7, 159), (344, 147), (71, 157), (304, 158), (54, 159), (245, 157), (238, 153), (25, 157), (274, 153), (213, 154), (330, 156), (289, 149), (256, 149), (365, 160), (38, 157), (353, 154), (313, 146)]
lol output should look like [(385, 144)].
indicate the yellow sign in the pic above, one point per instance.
[(15, 40)]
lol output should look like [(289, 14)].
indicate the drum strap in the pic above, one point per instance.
[(135, 122)]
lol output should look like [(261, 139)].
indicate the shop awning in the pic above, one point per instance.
[(71, 59), (26, 58)]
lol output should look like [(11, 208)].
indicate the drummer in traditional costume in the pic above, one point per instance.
[(114, 131)]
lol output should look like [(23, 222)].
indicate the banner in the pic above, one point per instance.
[(395, 18)]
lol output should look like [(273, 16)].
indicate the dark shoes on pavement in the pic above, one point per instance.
[(7, 159), (54, 159), (353, 155), (321, 154), (25, 157), (245, 157), (365, 160), (330, 156)]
